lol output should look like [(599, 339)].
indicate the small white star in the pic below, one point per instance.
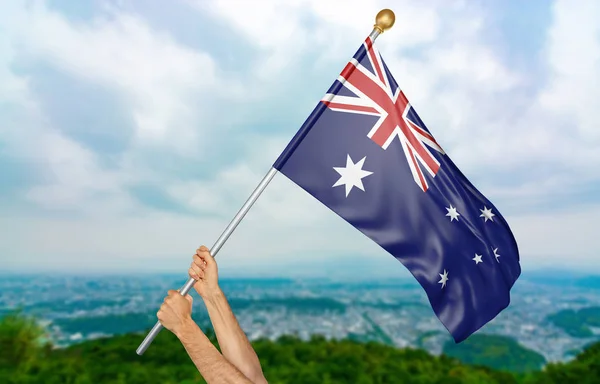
[(496, 255), (452, 213), (352, 175), (477, 259), (444, 277), (487, 213)]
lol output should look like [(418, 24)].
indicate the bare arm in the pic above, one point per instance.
[(175, 314), (211, 364), (233, 341)]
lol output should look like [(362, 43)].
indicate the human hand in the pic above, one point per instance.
[(175, 312), (204, 270)]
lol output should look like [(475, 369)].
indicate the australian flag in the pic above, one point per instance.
[(365, 153)]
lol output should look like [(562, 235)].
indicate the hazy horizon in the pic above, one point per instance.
[(333, 269)]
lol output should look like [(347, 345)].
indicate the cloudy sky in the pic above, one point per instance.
[(132, 132)]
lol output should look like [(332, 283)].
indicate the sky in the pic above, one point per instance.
[(132, 132)]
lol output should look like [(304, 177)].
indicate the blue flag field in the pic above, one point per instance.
[(366, 155)]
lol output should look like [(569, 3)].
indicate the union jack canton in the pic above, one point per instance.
[(377, 94)]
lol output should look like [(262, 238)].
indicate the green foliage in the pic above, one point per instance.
[(577, 323), (25, 359), (21, 345), (495, 351), (584, 369)]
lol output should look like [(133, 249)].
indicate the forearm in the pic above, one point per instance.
[(233, 341), (210, 363)]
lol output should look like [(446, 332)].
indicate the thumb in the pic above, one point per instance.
[(187, 296), (207, 255)]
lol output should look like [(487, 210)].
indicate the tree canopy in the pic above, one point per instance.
[(27, 357)]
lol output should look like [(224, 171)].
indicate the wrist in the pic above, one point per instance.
[(214, 296), (188, 327)]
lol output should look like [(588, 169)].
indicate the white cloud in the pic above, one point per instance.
[(457, 82), (160, 81), (230, 187), (573, 53), (554, 140), (285, 32), (470, 96), (69, 170), (155, 75), (14, 87)]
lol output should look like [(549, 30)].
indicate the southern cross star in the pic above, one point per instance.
[(444, 278), (496, 255), (452, 213), (487, 213)]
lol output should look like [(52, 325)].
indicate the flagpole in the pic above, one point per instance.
[(383, 21), (214, 250)]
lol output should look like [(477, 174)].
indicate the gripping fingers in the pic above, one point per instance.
[(204, 254), (161, 311), (195, 272), (200, 262)]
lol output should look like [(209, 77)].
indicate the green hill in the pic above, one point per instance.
[(577, 323), (498, 352), (24, 358)]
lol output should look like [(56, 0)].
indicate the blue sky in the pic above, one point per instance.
[(132, 132)]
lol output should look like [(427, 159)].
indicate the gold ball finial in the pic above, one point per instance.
[(384, 20)]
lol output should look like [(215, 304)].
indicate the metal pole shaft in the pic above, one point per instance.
[(225, 235), (374, 34), (214, 250)]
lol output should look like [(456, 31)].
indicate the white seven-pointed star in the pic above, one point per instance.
[(477, 259), (352, 175), (487, 213), (452, 213), (444, 279), (496, 255)]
